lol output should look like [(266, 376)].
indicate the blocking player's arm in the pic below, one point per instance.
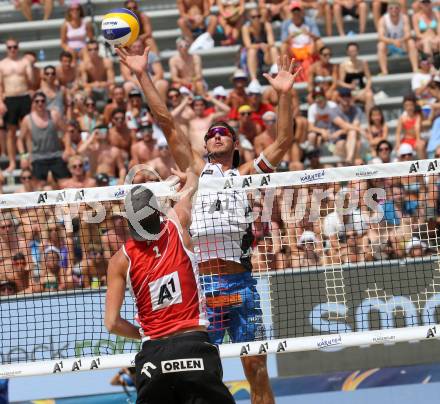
[(271, 156), (184, 205), (178, 143), (116, 284)]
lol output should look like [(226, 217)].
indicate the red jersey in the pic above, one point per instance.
[(164, 281)]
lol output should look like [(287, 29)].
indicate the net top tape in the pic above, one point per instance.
[(248, 182)]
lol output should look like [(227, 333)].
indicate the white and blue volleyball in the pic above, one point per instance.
[(120, 27)]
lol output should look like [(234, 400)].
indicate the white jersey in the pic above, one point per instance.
[(394, 31), (221, 221)]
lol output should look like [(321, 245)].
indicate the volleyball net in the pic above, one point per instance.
[(333, 258)]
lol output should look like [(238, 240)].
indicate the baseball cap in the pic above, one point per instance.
[(307, 237), (185, 91), (135, 93), (295, 5), (239, 74), (219, 91), (269, 115), (143, 214), (254, 87), (405, 148), (344, 92), (244, 108)]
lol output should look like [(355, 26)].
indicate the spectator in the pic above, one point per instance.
[(91, 117), (73, 139), (434, 140), (144, 149), (195, 18), (9, 242), (355, 8), (75, 31), (246, 125), (53, 278), (274, 10), (164, 163), (395, 37), (180, 105), (25, 7), (377, 129), (320, 10), (324, 75), (266, 138), (105, 158), (7, 288), (125, 377), (231, 18), (67, 72), (55, 95), (380, 7), (97, 74), (146, 30), (79, 178), (347, 122), (39, 134), (237, 96), (259, 43), (186, 69), (383, 151), (93, 267), (136, 113), (409, 127), (255, 92), (199, 124), (15, 101), (117, 233), (355, 75), (426, 23), (320, 117), (119, 133), (155, 70), (27, 181), (421, 80), (299, 40), (117, 101), (36, 72)]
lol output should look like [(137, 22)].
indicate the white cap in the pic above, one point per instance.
[(185, 90), (375, 160), (254, 87), (273, 69), (219, 91), (415, 242), (405, 148), (240, 74), (307, 237), (268, 115)]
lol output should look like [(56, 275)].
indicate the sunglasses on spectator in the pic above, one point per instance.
[(26, 178), (256, 16), (39, 101), (50, 73), (118, 118), (12, 46), (174, 96), (406, 155), (384, 149), (245, 114), (219, 130), (90, 104), (81, 165)]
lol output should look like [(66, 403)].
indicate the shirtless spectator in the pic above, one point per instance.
[(355, 8), (146, 30), (118, 101), (237, 96), (27, 180), (56, 96), (255, 92), (9, 241), (21, 271), (195, 18), (267, 137), (36, 72), (145, 149), (73, 139), (39, 135), (180, 105), (137, 114), (67, 73), (15, 102), (164, 162), (155, 70), (394, 31), (79, 178), (246, 126), (103, 157), (199, 124), (119, 133), (186, 69), (97, 74)]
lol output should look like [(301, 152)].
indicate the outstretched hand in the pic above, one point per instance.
[(287, 72), (136, 63)]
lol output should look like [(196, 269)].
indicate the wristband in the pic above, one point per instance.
[(262, 165)]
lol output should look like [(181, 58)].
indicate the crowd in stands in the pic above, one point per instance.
[(76, 124)]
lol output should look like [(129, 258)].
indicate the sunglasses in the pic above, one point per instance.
[(384, 149), (245, 114), (40, 101), (49, 73), (219, 130), (77, 165), (26, 178), (90, 104), (406, 155), (119, 118), (173, 96), (256, 16), (12, 46)]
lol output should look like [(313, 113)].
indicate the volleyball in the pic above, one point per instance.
[(120, 27)]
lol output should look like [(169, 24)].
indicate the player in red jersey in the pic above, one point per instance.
[(177, 363)]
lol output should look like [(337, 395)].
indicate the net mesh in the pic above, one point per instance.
[(281, 256)]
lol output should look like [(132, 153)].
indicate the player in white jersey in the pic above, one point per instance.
[(224, 241)]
